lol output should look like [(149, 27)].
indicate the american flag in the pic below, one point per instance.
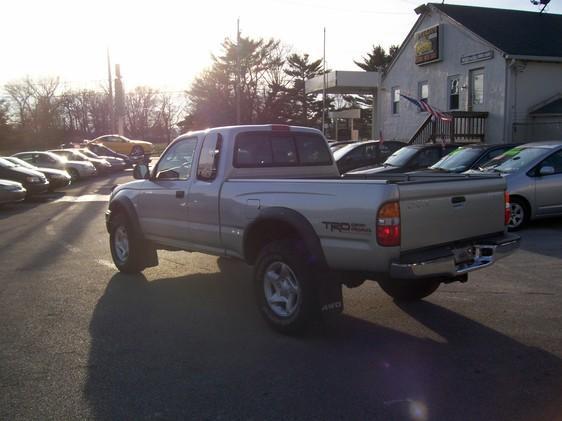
[(424, 106)]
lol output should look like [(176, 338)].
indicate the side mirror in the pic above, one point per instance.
[(546, 170), (141, 172)]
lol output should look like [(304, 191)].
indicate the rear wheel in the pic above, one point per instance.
[(284, 287), (126, 249), (409, 289), (519, 214)]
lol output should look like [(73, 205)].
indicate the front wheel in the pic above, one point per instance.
[(518, 214), (409, 289), (283, 287), (125, 248)]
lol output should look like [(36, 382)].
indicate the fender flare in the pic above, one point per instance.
[(124, 204), (298, 222)]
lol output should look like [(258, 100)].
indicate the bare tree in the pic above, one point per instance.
[(141, 111)]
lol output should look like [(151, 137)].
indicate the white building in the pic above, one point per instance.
[(497, 71)]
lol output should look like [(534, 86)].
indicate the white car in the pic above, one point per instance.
[(76, 169)]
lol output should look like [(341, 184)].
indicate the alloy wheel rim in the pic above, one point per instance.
[(517, 215), (281, 288), (121, 244)]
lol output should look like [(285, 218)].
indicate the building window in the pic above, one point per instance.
[(395, 100), (423, 90), (453, 87), (477, 87)]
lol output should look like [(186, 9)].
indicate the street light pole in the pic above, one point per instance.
[(237, 88), (324, 88), (111, 113)]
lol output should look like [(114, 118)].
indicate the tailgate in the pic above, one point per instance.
[(440, 212)]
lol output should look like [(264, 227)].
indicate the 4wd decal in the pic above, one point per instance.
[(346, 227)]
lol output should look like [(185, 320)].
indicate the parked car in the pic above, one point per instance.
[(117, 164), (362, 154), (11, 192), (102, 166), (409, 158), (57, 178), (124, 145), (272, 196), (33, 181), (104, 151), (76, 169), (533, 172), (469, 157)]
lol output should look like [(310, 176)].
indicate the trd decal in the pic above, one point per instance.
[(346, 227)]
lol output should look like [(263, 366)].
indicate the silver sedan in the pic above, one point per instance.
[(533, 173), (11, 191)]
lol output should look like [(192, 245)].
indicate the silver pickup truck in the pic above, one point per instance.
[(272, 196)]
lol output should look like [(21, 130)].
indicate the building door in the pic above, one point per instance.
[(476, 98)]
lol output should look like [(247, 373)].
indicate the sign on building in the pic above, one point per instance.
[(428, 45)]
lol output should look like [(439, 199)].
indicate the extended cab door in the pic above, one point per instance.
[(162, 202), (203, 201)]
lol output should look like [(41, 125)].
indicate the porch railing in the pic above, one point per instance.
[(465, 127)]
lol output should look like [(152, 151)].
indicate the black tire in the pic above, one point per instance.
[(137, 150), (273, 259), (519, 214), (74, 174), (132, 262), (409, 289)]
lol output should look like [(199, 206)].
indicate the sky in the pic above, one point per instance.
[(166, 43)]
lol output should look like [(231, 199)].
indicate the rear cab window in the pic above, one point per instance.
[(272, 149)]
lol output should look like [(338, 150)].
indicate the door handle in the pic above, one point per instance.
[(458, 199), (180, 194)]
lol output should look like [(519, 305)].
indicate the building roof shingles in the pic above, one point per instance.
[(514, 32)]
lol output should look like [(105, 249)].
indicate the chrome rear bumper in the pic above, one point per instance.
[(482, 254)]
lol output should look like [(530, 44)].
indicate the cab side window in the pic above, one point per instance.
[(209, 158), (176, 163)]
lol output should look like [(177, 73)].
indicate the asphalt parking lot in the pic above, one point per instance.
[(185, 341)]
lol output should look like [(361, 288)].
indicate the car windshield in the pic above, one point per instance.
[(343, 150), (457, 161), (6, 164), (75, 155), (56, 157), (514, 159), (20, 162), (401, 156), (88, 153)]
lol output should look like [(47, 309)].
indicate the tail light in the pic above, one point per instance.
[(507, 212), (388, 225), (280, 128)]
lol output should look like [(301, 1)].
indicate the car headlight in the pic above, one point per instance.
[(33, 179)]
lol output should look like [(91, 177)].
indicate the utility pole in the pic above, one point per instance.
[(109, 79), (237, 87), (324, 88), (119, 101)]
